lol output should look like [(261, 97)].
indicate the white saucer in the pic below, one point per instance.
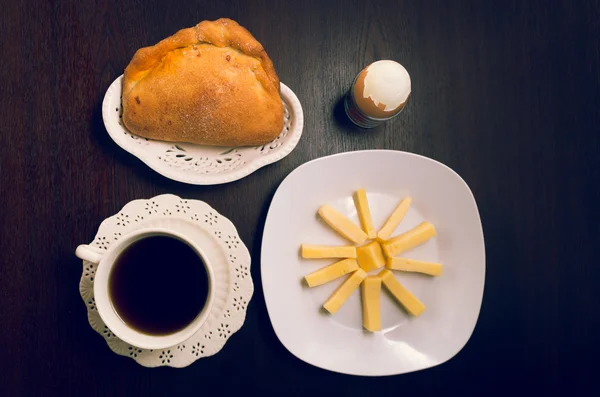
[(453, 300), (223, 248), (198, 164)]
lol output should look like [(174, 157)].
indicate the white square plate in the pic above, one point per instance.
[(338, 342)]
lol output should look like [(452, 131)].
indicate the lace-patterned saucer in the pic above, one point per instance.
[(223, 248), (198, 164)]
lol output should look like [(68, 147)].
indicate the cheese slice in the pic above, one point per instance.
[(364, 213), (342, 225), (394, 220), (310, 251), (412, 265), (370, 256), (331, 272), (371, 293), (410, 239), (343, 292), (402, 295)]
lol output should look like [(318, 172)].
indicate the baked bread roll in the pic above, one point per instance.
[(212, 84)]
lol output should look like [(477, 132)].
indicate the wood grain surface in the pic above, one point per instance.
[(507, 93)]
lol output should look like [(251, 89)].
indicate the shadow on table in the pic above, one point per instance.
[(122, 156), (341, 118)]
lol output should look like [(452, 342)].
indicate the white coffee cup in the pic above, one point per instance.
[(106, 259)]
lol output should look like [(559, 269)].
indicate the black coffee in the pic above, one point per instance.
[(158, 285)]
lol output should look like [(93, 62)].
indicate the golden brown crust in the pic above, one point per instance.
[(211, 84)]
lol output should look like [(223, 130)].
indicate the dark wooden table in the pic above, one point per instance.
[(507, 93)]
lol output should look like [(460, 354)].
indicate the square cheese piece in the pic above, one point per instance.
[(370, 256)]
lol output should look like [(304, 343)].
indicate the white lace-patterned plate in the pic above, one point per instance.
[(224, 250), (198, 164)]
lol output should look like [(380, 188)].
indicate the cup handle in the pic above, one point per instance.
[(89, 253)]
